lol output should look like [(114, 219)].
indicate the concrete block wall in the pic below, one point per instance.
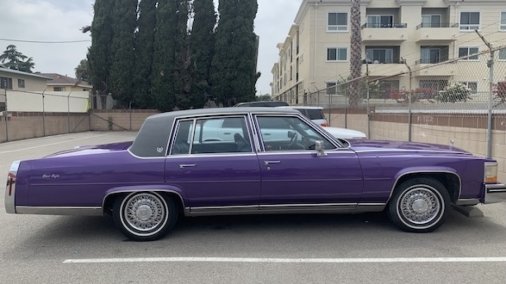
[(119, 120)]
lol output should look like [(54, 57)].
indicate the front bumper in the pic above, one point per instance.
[(494, 193)]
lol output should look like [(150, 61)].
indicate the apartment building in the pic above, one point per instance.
[(395, 33)]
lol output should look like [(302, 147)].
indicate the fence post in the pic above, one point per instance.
[(490, 65), (6, 112), (410, 93), (330, 104), (68, 112), (43, 114), (368, 108)]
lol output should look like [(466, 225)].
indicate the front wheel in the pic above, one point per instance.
[(145, 216), (419, 205)]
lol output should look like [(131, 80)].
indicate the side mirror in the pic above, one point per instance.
[(320, 148)]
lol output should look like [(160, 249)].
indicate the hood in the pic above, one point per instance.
[(384, 145), (344, 133), (93, 149)]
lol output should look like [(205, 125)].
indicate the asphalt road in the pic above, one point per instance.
[(247, 249)]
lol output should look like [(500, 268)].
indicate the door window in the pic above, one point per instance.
[(212, 136), (286, 133)]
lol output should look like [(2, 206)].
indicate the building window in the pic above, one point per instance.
[(472, 86), (469, 21), (503, 21), (433, 86), (380, 55), (58, 89), (337, 54), (432, 55), (5, 83), (502, 54), (467, 51), (337, 22), (331, 88), (380, 21), (431, 21), (21, 83)]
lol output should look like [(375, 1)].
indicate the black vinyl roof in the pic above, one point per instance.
[(151, 141)]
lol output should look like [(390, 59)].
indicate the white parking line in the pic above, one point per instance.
[(288, 260), (51, 144)]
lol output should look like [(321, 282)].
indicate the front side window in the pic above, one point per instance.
[(337, 54), (287, 133), (212, 136), (469, 21), (337, 22), (465, 53)]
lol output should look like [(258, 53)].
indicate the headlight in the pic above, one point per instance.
[(490, 172)]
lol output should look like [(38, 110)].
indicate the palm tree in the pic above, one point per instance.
[(356, 54)]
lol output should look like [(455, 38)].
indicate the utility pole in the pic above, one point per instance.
[(410, 111), (368, 97), (490, 65)]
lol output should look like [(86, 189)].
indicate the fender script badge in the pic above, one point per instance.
[(51, 176)]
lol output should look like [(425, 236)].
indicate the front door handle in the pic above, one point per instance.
[(184, 166), (271, 162)]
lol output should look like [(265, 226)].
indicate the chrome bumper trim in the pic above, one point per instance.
[(85, 211), (494, 193)]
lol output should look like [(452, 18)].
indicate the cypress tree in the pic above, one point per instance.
[(163, 88), (234, 63), (202, 49), (124, 23), (98, 54), (144, 53), (182, 80)]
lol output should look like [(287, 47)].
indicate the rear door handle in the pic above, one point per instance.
[(184, 166), (271, 162)]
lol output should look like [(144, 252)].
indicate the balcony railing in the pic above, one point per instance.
[(432, 61), (385, 26), (393, 61), (437, 25)]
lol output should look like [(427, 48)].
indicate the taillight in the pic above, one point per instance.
[(11, 181)]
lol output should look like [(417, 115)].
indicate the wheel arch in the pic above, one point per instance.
[(446, 176), (174, 192)]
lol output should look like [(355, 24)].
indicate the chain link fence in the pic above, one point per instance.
[(460, 102)]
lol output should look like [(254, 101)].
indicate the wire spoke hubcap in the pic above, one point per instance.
[(420, 205), (144, 212)]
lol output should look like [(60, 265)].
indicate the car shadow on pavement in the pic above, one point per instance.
[(267, 234)]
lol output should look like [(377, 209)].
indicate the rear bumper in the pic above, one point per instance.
[(494, 193)]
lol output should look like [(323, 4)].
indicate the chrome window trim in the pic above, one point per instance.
[(55, 210), (426, 172), (177, 121)]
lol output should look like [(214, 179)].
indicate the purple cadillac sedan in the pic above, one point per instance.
[(249, 161)]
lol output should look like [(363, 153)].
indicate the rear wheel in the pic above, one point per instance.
[(145, 216), (419, 205)]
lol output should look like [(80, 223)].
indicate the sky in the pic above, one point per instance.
[(61, 20)]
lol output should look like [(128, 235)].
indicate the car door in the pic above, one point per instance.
[(293, 173), (214, 172)]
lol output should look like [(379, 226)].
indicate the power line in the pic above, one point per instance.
[(42, 41)]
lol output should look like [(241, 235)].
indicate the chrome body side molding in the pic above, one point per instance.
[(77, 211), (322, 208)]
